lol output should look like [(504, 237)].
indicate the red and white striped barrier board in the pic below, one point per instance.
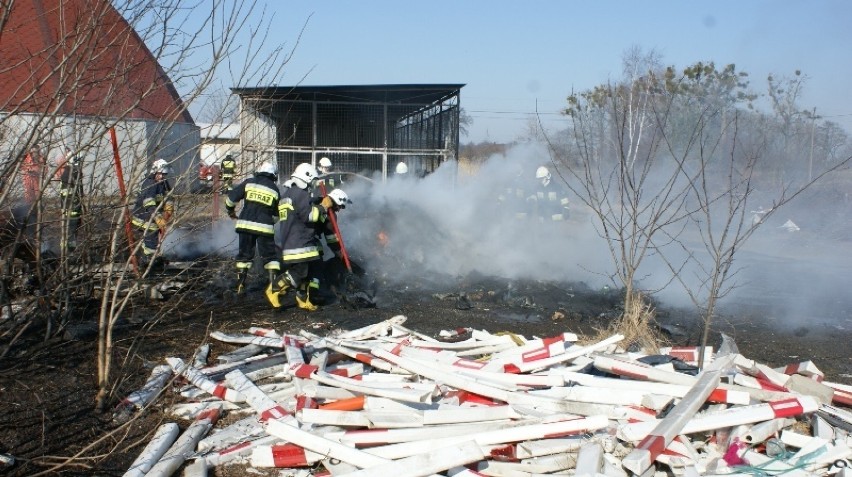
[(347, 370), (641, 371), (761, 371), (374, 437), (521, 432), (689, 354), (805, 368), (204, 383), (757, 383), (217, 373), (151, 454), (184, 445), (842, 393), (283, 456), (731, 417), (568, 355), (257, 399), (241, 430), (641, 458), (238, 450), (427, 463), (362, 357), (371, 331), (414, 392), (160, 375)]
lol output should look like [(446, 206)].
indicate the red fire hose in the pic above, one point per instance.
[(337, 232), (120, 175)]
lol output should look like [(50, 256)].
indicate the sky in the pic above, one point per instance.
[(518, 58)]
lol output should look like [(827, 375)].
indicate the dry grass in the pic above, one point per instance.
[(636, 325)]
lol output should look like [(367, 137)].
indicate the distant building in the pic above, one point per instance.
[(362, 128), (75, 67)]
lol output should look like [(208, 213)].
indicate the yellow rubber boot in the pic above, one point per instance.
[(305, 303), (274, 291)]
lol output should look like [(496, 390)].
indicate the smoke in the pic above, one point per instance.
[(410, 230), (409, 227), (211, 239)]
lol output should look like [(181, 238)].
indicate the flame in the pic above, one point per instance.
[(382, 238)]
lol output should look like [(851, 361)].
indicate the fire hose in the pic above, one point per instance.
[(337, 232)]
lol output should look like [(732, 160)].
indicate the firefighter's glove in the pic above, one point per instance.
[(161, 222), (168, 211), (232, 213), (327, 203)]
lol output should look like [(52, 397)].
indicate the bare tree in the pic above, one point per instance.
[(669, 167), (128, 67)]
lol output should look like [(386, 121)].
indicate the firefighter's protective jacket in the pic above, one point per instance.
[(331, 180), (301, 222), (261, 197), (71, 189), (152, 194), (229, 166), (549, 203)]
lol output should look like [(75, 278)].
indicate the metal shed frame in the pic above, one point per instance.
[(362, 128)]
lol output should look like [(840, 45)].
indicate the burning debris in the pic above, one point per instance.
[(387, 400)]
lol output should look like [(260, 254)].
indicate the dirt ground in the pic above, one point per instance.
[(47, 388)]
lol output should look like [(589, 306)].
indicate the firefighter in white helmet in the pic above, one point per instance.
[(300, 222), (327, 178), (324, 166), (549, 202), (255, 225), (333, 269), (154, 210)]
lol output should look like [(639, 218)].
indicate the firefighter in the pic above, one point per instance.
[(227, 171), (154, 209), (513, 197), (33, 170), (300, 222), (71, 196), (333, 269), (324, 166), (327, 179), (256, 223), (549, 203)]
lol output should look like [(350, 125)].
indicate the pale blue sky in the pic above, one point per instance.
[(516, 56)]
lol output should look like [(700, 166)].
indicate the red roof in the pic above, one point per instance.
[(81, 57)]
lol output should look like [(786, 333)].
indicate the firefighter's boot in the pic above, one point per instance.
[(278, 287), (303, 300), (242, 276)]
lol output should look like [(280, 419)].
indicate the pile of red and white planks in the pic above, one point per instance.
[(386, 400)]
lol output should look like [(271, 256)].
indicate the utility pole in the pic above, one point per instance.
[(811, 162)]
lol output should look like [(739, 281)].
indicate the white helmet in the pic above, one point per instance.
[(267, 167), (305, 173), (340, 198), (401, 168), (325, 162), (543, 174), (161, 166)]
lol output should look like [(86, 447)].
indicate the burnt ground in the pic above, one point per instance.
[(47, 388)]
